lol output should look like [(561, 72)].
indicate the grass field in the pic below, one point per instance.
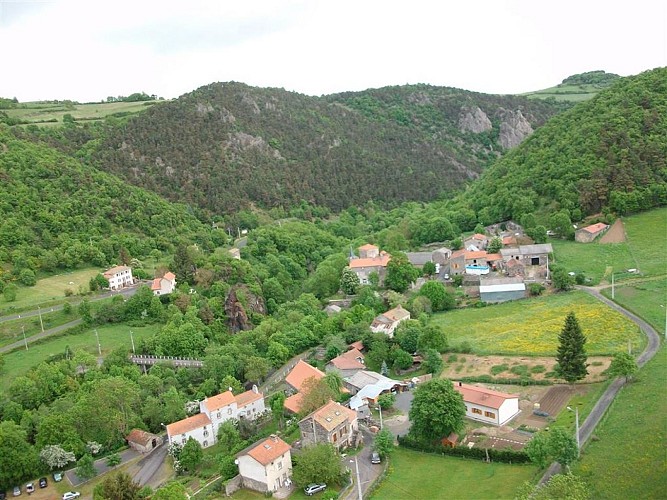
[(647, 299), (48, 290), (628, 458), (419, 475), (641, 251), (572, 93), (43, 113), (20, 361), (12, 331), (531, 326)]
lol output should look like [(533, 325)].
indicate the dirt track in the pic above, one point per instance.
[(615, 234)]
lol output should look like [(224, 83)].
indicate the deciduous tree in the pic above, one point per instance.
[(623, 365), (400, 273), (191, 455), (384, 442), (437, 410), (318, 463)]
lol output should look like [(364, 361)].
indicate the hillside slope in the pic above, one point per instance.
[(57, 213), (227, 145), (606, 153), (576, 88)]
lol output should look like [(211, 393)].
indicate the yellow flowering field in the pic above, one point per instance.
[(531, 326)]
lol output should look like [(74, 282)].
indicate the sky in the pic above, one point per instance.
[(86, 51)]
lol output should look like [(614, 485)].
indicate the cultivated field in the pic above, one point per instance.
[(44, 114), (627, 460), (421, 475), (531, 326), (18, 362)]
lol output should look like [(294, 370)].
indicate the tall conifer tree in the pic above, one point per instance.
[(571, 355)]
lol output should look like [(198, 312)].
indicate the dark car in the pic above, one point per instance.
[(311, 489), (43, 483)]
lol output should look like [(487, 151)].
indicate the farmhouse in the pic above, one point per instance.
[(119, 277), (366, 386), (418, 259), (589, 233), (164, 285), (197, 427), (387, 322), (471, 262), (370, 260), (485, 405), (333, 423), (477, 240), (528, 255), (347, 364), (266, 465), (441, 256)]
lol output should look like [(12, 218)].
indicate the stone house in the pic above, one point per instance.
[(387, 322), (479, 241), (143, 441), (370, 260), (265, 466), (589, 233), (333, 423), (347, 364), (528, 255)]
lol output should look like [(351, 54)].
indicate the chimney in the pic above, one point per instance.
[(274, 438), (255, 389)]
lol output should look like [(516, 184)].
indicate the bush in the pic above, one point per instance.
[(68, 292), (464, 347), (521, 370), (506, 456), (496, 369), (452, 358), (488, 379), (535, 289), (113, 460), (538, 369)]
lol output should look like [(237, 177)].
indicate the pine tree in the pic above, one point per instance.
[(571, 355)]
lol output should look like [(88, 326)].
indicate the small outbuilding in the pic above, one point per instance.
[(450, 441), (143, 441), (589, 233)]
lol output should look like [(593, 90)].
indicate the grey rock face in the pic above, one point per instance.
[(474, 120), (514, 128)]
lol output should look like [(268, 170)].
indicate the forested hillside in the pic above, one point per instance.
[(609, 153), (225, 146), (57, 213)]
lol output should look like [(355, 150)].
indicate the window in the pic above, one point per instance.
[(280, 465), (183, 441), (229, 412), (477, 411), (205, 433), (218, 414), (205, 444), (489, 414), (335, 438)]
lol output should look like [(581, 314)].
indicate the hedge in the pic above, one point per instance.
[(488, 379), (506, 456)]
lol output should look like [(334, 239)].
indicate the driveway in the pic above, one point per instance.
[(101, 466), (399, 425), (368, 472)]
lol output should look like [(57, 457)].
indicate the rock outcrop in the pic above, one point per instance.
[(514, 128), (239, 305), (474, 120)]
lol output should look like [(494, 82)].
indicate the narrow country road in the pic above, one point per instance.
[(368, 472), (34, 338), (600, 408)]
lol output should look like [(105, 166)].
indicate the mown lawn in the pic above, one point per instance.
[(627, 460), (593, 259), (646, 237), (413, 474), (20, 361), (48, 290), (531, 326), (647, 299)]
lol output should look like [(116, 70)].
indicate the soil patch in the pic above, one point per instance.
[(615, 234), (536, 368)]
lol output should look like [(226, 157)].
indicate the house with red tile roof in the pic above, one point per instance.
[(213, 412), (589, 233), (119, 277), (143, 441), (485, 405), (370, 260), (265, 466), (387, 322), (477, 240), (301, 372), (164, 285), (347, 364), (333, 423)]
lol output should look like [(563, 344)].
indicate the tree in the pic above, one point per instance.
[(384, 443), (172, 491), (623, 365), (335, 381), (386, 401), (562, 446), (494, 245), (561, 279), (407, 335), (183, 265), (432, 337), (441, 299), (119, 486), (55, 457), (538, 234), (428, 268), (318, 464), (571, 355), (402, 359), (316, 393), (437, 410), (561, 225), (191, 455), (228, 435), (400, 273), (538, 450), (277, 405), (559, 486), (86, 467), (433, 361), (18, 459), (85, 313), (349, 281), (10, 292)]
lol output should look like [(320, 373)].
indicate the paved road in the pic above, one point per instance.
[(34, 338), (150, 464), (101, 467), (368, 472), (600, 408)]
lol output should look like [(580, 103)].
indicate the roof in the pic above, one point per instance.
[(368, 246), (156, 284), (370, 385), (477, 236), (380, 261), (514, 263), (509, 240), (509, 287), (359, 345), (419, 258), (331, 415), (247, 397), (294, 402), (300, 373), (397, 313), (116, 270), (349, 360), (452, 438), (188, 424), (482, 395), (219, 401), (595, 228), (266, 451), (170, 276), (493, 256), (542, 248), (140, 437), (468, 254)]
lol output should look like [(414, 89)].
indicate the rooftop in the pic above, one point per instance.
[(331, 415), (595, 228), (188, 424), (221, 400), (140, 437), (349, 360), (482, 395), (247, 397), (116, 270), (266, 451), (300, 373), (380, 261)]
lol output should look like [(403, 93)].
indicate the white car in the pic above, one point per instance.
[(71, 494)]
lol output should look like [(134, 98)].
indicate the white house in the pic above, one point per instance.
[(265, 465), (485, 405), (213, 412), (164, 285), (387, 322), (119, 277)]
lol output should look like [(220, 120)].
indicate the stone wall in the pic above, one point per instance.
[(233, 485)]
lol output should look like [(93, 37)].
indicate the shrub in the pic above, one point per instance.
[(488, 379), (507, 456), (452, 358), (535, 289), (538, 369), (496, 369), (113, 460), (521, 370), (68, 292), (597, 363)]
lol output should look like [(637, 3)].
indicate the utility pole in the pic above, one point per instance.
[(99, 347), (380, 410), (39, 309), (356, 465), (576, 423), (24, 339), (132, 339)]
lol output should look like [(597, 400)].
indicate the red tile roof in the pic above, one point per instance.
[(493, 256), (359, 345), (332, 415), (482, 396), (221, 400), (294, 402), (140, 437), (349, 360), (368, 246), (156, 284), (595, 228), (248, 397), (170, 276), (479, 236), (300, 373), (380, 261), (188, 424), (267, 451)]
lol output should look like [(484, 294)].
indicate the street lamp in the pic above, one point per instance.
[(356, 465), (380, 410), (576, 419), (39, 309)]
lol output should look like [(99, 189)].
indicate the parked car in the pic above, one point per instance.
[(375, 458), (311, 489), (71, 495), (17, 491), (57, 476), (29, 488), (540, 413), (43, 483)]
